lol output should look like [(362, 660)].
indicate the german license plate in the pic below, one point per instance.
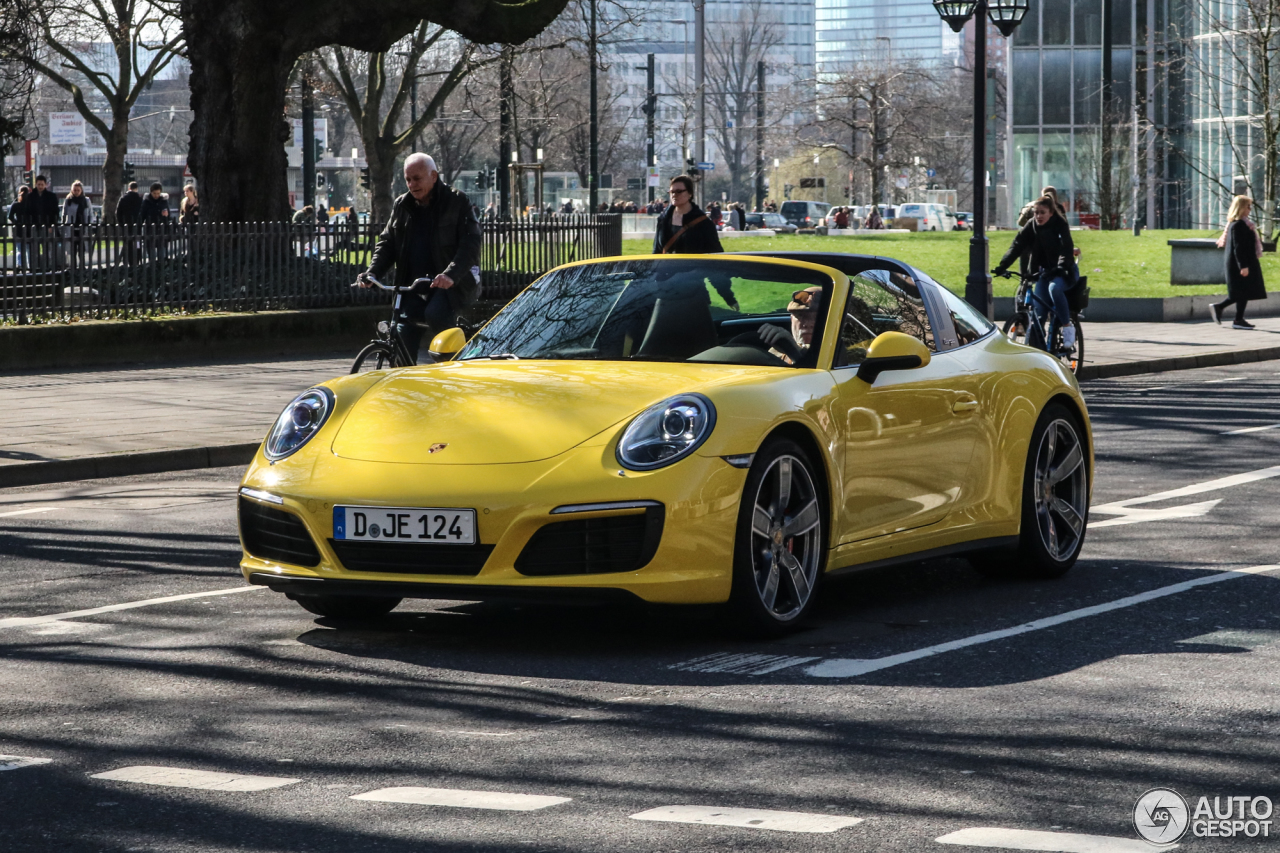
[(406, 525)]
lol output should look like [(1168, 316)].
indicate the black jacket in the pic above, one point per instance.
[(152, 210), (1242, 253), (455, 249), (129, 208), (43, 208), (18, 213), (1050, 246), (701, 239)]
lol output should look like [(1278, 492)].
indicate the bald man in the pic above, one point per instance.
[(432, 234)]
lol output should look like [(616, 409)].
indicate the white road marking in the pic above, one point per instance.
[(207, 780), (28, 511), (16, 762), (496, 800), (1131, 516), (1230, 379), (1250, 429), (20, 621), (851, 667), (1137, 516), (749, 818), (740, 664), (1056, 842)]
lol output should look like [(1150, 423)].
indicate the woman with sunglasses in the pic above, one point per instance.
[(683, 229)]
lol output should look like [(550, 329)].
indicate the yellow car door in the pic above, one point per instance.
[(908, 437)]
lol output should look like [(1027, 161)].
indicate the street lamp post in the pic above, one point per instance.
[(1006, 15)]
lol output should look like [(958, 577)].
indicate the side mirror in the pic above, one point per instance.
[(447, 344), (892, 351)]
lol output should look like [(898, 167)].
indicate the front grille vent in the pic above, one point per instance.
[(273, 534), (460, 560), (593, 546)]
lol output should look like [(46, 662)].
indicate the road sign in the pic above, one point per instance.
[(707, 166), (653, 176), (931, 173)]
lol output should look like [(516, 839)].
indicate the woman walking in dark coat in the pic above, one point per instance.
[(683, 229), (1244, 263)]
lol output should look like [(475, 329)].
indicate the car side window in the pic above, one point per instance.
[(969, 323), (880, 301)]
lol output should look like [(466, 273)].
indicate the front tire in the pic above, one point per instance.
[(375, 356), (347, 606), (780, 548)]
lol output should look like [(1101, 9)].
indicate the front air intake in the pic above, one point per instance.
[(273, 534)]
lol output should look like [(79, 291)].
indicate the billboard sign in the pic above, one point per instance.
[(322, 132), (66, 129)]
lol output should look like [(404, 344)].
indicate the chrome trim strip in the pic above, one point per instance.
[(266, 497), (567, 508)]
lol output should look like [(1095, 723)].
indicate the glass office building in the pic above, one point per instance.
[(856, 31)]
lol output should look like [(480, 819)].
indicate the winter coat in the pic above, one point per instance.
[(454, 249), (129, 208), (76, 210), (152, 210), (18, 213), (1242, 253), (701, 239), (1049, 245), (42, 208)]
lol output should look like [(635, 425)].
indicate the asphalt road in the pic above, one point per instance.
[(866, 725)]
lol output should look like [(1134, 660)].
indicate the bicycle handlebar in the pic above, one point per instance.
[(413, 288)]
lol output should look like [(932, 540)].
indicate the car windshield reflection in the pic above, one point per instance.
[(677, 310)]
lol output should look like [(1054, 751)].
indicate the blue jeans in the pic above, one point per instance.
[(1052, 290)]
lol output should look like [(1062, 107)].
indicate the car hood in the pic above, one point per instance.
[(483, 412)]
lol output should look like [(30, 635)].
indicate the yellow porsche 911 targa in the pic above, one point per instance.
[(681, 429)]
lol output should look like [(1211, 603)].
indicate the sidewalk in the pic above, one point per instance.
[(76, 425)]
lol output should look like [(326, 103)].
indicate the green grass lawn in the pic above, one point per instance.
[(1116, 262)]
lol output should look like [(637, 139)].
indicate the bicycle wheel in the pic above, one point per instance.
[(1015, 328), (1073, 357), (376, 356)]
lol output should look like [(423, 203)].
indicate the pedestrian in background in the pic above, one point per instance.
[(43, 214), (77, 215), (17, 217), (154, 215), (128, 214), (189, 209), (1243, 259)]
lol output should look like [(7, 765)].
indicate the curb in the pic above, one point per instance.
[(125, 464), (1181, 362), (227, 455)]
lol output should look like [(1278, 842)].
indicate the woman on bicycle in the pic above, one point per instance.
[(1047, 238)]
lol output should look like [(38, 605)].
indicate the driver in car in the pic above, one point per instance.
[(803, 309)]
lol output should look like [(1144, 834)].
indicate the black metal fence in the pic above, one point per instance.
[(113, 271)]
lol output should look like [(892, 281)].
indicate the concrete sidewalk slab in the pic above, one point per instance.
[(58, 427)]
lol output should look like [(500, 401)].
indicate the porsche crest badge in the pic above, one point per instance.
[(436, 448)]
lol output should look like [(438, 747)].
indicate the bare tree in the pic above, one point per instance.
[(17, 79), (734, 51), (1236, 58), (144, 37), (386, 135)]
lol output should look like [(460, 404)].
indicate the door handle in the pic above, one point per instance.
[(964, 406)]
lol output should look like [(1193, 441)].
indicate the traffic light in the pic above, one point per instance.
[(482, 180), (320, 181), (365, 180), (319, 150), (128, 176), (28, 178), (493, 177), (691, 168)]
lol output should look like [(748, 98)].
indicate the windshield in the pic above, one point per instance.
[(706, 310)]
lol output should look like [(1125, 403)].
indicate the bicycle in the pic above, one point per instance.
[(1029, 323), (389, 350)]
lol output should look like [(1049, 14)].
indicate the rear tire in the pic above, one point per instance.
[(375, 356), (1055, 502), (1015, 328), (780, 548), (1075, 358), (347, 606)]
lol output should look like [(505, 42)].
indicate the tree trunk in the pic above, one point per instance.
[(113, 167)]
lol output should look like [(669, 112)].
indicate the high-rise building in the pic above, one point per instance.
[(857, 31)]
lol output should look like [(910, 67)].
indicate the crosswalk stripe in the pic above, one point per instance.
[(1052, 842), (749, 818), (740, 664), (16, 762), (179, 777), (496, 800)]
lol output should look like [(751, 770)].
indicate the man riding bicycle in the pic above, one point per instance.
[(1048, 240), (432, 234)]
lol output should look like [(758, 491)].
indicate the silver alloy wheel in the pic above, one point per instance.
[(1061, 489), (786, 538)]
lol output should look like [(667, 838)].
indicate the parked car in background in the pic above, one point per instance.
[(964, 221), (932, 217), (772, 221), (805, 214)]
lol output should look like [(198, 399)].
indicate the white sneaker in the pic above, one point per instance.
[(1069, 336)]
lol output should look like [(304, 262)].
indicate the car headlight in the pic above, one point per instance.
[(666, 432), (300, 420)]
